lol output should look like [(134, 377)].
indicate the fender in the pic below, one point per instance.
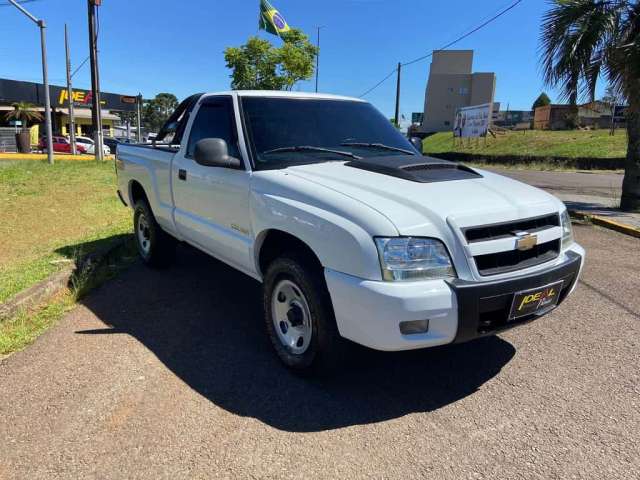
[(335, 227)]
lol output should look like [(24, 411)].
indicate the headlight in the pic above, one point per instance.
[(567, 232), (409, 258)]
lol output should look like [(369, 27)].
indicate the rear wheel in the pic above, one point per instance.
[(155, 247), (299, 316)]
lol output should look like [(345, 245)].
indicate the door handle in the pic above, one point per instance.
[(182, 174)]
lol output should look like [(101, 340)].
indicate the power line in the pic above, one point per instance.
[(462, 37), (379, 83), (80, 66), (479, 27), (6, 4)]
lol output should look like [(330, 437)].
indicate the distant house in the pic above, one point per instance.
[(553, 117), (512, 117), (595, 114)]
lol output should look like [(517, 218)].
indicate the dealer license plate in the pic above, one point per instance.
[(535, 301)]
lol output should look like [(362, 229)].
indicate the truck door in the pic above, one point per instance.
[(212, 203)]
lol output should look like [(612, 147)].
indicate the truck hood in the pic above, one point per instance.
[(424, 207)]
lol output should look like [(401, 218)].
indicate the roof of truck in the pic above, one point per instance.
[(284, 94)]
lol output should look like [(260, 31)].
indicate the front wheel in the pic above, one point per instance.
[(299, 316), (155, 247)]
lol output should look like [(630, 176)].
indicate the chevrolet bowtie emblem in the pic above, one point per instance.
[(525, 241)]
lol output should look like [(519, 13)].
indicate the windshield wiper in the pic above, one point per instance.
[(378, 145), (310, 148)]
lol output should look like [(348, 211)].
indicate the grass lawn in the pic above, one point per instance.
[(537, 143), (52, 214)]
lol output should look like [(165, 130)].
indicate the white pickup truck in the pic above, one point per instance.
[(352, 232)]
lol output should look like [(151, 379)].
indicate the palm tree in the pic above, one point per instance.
[(25, 112), (583, 40)]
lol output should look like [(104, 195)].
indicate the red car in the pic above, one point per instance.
[(60, 144)]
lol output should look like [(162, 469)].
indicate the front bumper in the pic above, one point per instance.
[(369, 312)]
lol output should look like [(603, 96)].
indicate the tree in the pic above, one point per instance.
[(157, 110), (584, 39), (25, 112), (258, 65), (542, 101)]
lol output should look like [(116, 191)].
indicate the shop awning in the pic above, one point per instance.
[(8, 108), (86, 113)]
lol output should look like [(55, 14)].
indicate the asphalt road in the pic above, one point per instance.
[(169, 375), (597, 184), (579, 190)]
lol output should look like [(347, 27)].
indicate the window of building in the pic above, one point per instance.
[(447, 123), (464, 90), (450, 89)]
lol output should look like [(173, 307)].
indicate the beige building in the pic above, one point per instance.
[(452, 85)]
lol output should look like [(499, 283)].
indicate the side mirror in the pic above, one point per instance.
[(213, 152), (417, 143)]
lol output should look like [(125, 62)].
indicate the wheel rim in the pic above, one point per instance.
[(144, 237), (291, 317)]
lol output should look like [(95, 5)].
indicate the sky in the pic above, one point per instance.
[(178, 46)]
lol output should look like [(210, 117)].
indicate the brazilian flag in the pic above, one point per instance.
[(271, 20)]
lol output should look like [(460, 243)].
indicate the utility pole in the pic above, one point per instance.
[(139, 117), (72, 121), (96, 107), (45, 78), (397, 117), (318, 58)]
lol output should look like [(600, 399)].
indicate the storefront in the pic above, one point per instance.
[(12, 91)]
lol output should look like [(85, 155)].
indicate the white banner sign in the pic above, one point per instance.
[(472, 121)]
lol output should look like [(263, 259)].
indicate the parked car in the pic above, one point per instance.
[(352, 232), (112, 143), (61, 145), (89, 145)]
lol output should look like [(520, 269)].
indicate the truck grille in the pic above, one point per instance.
[(512, 260), (501, 230)]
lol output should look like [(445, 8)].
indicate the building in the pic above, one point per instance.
[(595, 114), (512, 118), (452, 85), (12, 91)]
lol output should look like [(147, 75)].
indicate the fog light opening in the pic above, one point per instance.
[(414, 327)]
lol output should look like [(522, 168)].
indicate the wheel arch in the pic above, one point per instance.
[(271, 243), (137, 193)]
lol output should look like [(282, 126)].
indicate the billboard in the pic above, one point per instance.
[(473, 121)]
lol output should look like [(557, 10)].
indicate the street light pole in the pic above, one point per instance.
[(139, 117), (72, 122), (45, 78), (96, 108), (397, 116), (318, 58)]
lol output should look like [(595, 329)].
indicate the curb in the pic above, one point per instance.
[(57, 282), (56, 157), (606, 223)]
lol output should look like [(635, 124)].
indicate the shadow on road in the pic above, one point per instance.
[(203, 320)]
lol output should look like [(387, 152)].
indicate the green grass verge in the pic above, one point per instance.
[(24, 328), (51, 215), (536, 143)]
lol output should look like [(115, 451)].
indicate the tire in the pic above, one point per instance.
[(156, 248), (295, 285)]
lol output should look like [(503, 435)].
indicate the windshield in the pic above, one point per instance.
[(275, 125)]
